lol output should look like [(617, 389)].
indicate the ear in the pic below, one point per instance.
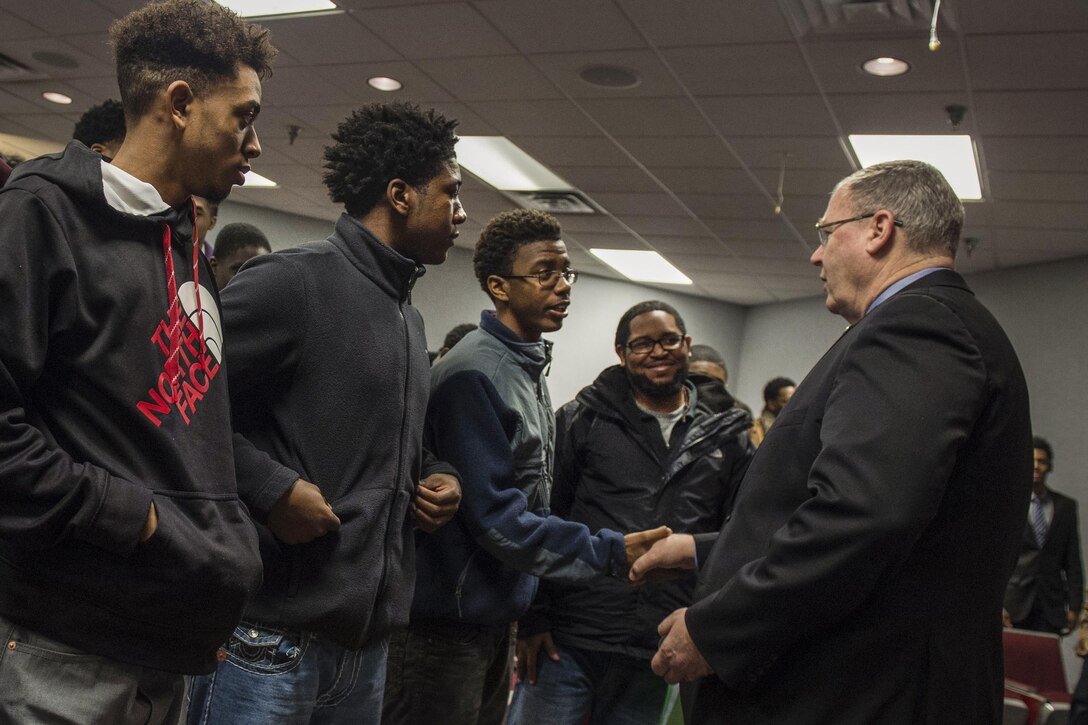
[(401, 196), (621, 353), (496, 287), (687, 343), (100, 148), (881, 231), (214, 262), (181, 98)]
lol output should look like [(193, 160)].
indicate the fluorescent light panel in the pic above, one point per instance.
[(256, 181), (268, 8), (503, 165), (641, 266), (954, 156)]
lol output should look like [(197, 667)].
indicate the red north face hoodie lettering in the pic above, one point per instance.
[(184, 392)]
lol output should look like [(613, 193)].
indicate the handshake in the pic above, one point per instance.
[(658, 554)]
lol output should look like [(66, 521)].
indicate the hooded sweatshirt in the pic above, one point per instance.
[(113, 396)]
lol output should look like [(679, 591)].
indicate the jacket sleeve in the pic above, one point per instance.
[(431, 465), (877, 482), (469, 426), (46, 495), (263, 341)]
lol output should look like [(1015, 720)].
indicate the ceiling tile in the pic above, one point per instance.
[(657, 204), (1041, 216), (707, 22), (999, 16), (1038, 186), (590, 179), (1027, 61), (555, 151), (336, 38), (557, 117), (908, 113), (298, 86), (654, 79), (508, 77), (647, 116), (1036, 153), (17, 29), (561, 25), (62, 18), (786, 115), (837, 64), (436, 31), (685, 152), (1032, 113), (750, 69), (352, 78)]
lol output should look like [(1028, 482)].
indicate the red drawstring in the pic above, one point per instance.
[(173, 370)]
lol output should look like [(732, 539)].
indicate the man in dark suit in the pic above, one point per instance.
[(859, 578), (1046, 589)]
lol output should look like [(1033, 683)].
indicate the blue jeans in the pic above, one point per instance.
[(612, 688), (290, 678)]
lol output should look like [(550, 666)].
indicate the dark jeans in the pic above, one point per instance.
[(449, 673), (43, 680), (609, 688)]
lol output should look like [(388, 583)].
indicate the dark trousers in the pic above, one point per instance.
[(449, 673)]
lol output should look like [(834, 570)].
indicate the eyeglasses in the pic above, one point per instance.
[(548, 278), (821, 229), (644, 345)]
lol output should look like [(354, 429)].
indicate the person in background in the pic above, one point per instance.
[(452, 338), (126, 557), (776, 393), (235, 245), (101, 128), (207, 214), (706, 362)]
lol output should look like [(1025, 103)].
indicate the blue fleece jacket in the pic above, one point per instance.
[(490, 416)]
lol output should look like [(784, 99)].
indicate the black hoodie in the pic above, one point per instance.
[(113, 395)]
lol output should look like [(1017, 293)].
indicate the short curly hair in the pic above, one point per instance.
[(504, 235), (382, 142), (623, 327), (239, 235), (104, 124), (200, 42)]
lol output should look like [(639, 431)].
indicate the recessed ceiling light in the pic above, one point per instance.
[(497, 161), (270, 8), (885, 66), (54, 97), (383, 83), (609, 76), (256, 181), (641, 266), (954, 156)]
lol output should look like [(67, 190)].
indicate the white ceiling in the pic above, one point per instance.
[(688, 161)]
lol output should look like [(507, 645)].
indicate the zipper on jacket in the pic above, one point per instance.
[(459, 589)]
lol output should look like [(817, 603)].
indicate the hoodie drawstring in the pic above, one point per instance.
[(173, 369)]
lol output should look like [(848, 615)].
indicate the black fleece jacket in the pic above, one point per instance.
[(329, 383), (113, 395), (613, 470)]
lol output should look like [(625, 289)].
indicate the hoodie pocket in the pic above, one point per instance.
[(201, 563)]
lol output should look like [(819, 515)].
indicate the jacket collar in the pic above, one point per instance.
[(533, 356), (391, 271)]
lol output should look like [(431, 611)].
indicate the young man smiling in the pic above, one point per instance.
[(490, 415), (640, 447), (125, 556)]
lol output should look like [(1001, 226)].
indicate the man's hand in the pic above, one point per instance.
[(673, 552), (528, 650), (640, 542), (437, 498), (302, 514), (677, 658), (151, 525)]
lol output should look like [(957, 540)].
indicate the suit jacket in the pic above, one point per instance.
[(860, 576), (1051, 573)]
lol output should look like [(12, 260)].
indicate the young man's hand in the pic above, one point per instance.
[(674, 552), (302, 514), (437, 499), (639, 542), (528, 651)]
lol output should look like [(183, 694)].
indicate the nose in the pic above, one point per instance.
[(251, 147), (459, 214), (817, 257)]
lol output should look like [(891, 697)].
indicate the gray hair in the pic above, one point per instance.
[(918, 195)]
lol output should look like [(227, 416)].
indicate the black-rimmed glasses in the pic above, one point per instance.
[(548, 278), (644, 345), (824, 234)]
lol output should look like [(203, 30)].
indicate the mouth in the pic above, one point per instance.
[(240, 175), (559, 310)]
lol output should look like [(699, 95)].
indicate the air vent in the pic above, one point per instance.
[(854, 17), (13, 70), (553, 202)]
